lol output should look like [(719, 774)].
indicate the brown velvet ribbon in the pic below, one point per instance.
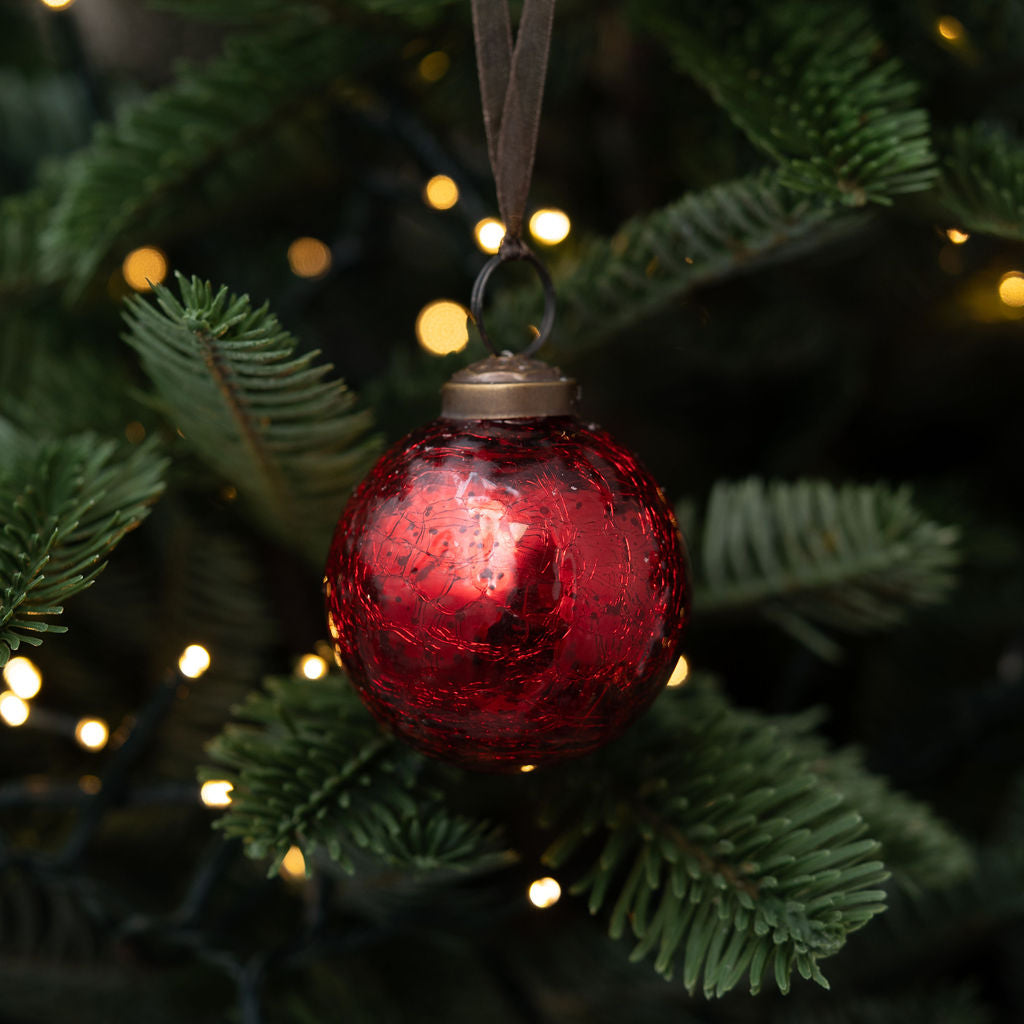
[(512, 89)]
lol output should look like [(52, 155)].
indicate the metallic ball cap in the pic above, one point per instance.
[(508, 386)]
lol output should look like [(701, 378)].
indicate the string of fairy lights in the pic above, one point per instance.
[(24, 682), (441, 325)]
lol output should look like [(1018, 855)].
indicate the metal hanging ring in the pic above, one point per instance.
[(476, 300)]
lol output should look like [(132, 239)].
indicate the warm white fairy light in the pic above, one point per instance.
[(135, 432), (550, 226), (92, 733), (488, 234), (22, 677), (951, 29), (194, 661), (309, 257), (956, 236), (441, 192), (144, 267), (434, 66), (216, 792), (57, 5), (544, 892), (441, 327), (1011, 288), (13, 710), (312, 666), (679, 673), (525, 768), (293, 866)]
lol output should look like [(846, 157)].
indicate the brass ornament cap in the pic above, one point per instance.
[(507, 387)]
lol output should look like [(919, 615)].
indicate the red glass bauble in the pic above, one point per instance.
[(507, 592)]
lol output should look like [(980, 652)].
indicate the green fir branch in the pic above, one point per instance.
[(809, 554), (64, 505), (948, 923), (262, 416), (813, 87), (982, 186), (720, 848), (920, 850), (198, 140), (655, 259), (314, 769)]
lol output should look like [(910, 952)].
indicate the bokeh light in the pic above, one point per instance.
[(309, 257), (92, 733), (1011, 288), (13, 710), (488, 234), (22, 677), (312, 666), (144, 267), (135, 432), (441, 192), (294, 864), (544, 892), (951, 29), (550, 226), (441, 327), (216, 792), (679, 673), (957, 237), (57, 5), (434, 66), (194, 661)]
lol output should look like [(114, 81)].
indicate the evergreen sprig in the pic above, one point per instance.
[(201, 139), (314, 769), (920, 850), (949, 922), (654, 259), (812, 87), (982, 186), (64, 505), (721, 848), (267, 419), (808, 553)]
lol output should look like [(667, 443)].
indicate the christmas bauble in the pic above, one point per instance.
[(507, 590)]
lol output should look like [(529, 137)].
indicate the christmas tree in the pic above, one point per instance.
[(236, 242)]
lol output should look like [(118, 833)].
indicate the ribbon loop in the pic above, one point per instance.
[(512, 90)]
